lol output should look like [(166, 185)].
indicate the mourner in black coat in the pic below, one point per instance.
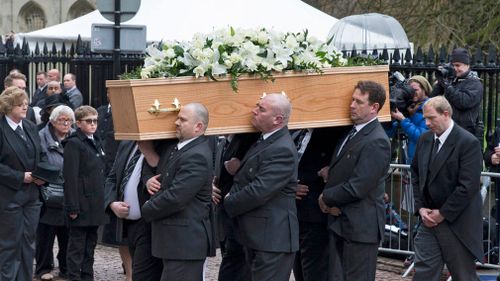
[(20, 153), (83, 193)]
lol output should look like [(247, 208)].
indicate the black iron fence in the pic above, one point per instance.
[(92, 70)]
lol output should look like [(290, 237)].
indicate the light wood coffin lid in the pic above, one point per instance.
[(318, 100)]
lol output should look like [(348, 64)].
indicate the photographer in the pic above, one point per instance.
[(413, 125), (463, 90)]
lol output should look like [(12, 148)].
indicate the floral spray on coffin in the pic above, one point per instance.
[(228, 70)]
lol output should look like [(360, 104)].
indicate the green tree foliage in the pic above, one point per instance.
[(430, 22)]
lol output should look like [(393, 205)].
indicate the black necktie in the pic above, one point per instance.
[(130, 168), (20, 132), (348, 138), (435, 149), (174, 150)]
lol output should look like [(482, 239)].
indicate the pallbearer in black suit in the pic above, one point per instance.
[(125, 194), (20, 153), (262, 199), (446, 170), (180, 210), (353, 194), (230, 150), (315, 149)]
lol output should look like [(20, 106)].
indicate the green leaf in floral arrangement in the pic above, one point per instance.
[(232, 32), (179, 51)]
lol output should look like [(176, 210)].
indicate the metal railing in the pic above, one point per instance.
[(398, 238)]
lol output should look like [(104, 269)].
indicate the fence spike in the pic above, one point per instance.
[(79, 45), (354, 53), (385, 54), (26, 48), (396, 57), (45, 49), (431, 57), (18, 51), (37, 49), (419, 57), (408, 57), (492, 55), (63, 50), (54, 49), (443, 55), (477, 59)]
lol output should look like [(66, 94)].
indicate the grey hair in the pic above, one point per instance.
[(62, 109), (201, 113), (280, 105)]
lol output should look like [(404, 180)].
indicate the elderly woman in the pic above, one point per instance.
[(20, 153), (52, 217)]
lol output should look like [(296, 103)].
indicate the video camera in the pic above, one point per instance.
[(445, 71), (400, 93)]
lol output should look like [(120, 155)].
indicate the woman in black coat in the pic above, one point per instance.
[(20, 153)]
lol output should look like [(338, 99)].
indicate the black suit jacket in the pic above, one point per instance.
[(114, 181), (317, 155), (356, 184), (180, 210), (262, 199), (12, 161), (453, 182), (83, 173)]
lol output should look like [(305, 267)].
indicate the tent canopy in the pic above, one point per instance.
[(179, 20), (368, 32)]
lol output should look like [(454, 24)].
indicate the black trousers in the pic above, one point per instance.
[(82, 241), (145, 267), (349, 260), (269, 266), (182, 270), (311, 261), (233, 265), (44, 255), (19, 220)]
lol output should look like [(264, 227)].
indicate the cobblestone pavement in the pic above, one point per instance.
[(107, 267)]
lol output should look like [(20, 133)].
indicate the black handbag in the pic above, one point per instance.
[(53, 195)]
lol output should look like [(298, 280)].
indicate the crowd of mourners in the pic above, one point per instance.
[(307, 201)]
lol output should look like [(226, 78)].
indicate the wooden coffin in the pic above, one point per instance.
[(318, 100)]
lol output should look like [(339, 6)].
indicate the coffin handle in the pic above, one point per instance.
[(155, 107)]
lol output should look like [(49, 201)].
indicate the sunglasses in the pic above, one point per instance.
[(89, 121)]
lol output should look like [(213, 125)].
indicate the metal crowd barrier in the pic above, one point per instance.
[(401, 223)]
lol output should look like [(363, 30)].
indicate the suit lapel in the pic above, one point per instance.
[(353, 142), (177, 154), (14, 142), (259, 147), (443, 154), (424, 158), (121, 166)]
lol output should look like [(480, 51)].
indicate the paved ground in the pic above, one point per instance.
[(108, 267)]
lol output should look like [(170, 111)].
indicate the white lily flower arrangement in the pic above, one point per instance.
[(230, 51)]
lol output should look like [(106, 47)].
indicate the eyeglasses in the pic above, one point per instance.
[(90, 121), (53, 88), (64, 121)]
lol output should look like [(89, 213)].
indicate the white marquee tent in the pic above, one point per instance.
[(179, 20)]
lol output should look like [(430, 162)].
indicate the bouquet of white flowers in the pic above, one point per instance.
[(238, 51)]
